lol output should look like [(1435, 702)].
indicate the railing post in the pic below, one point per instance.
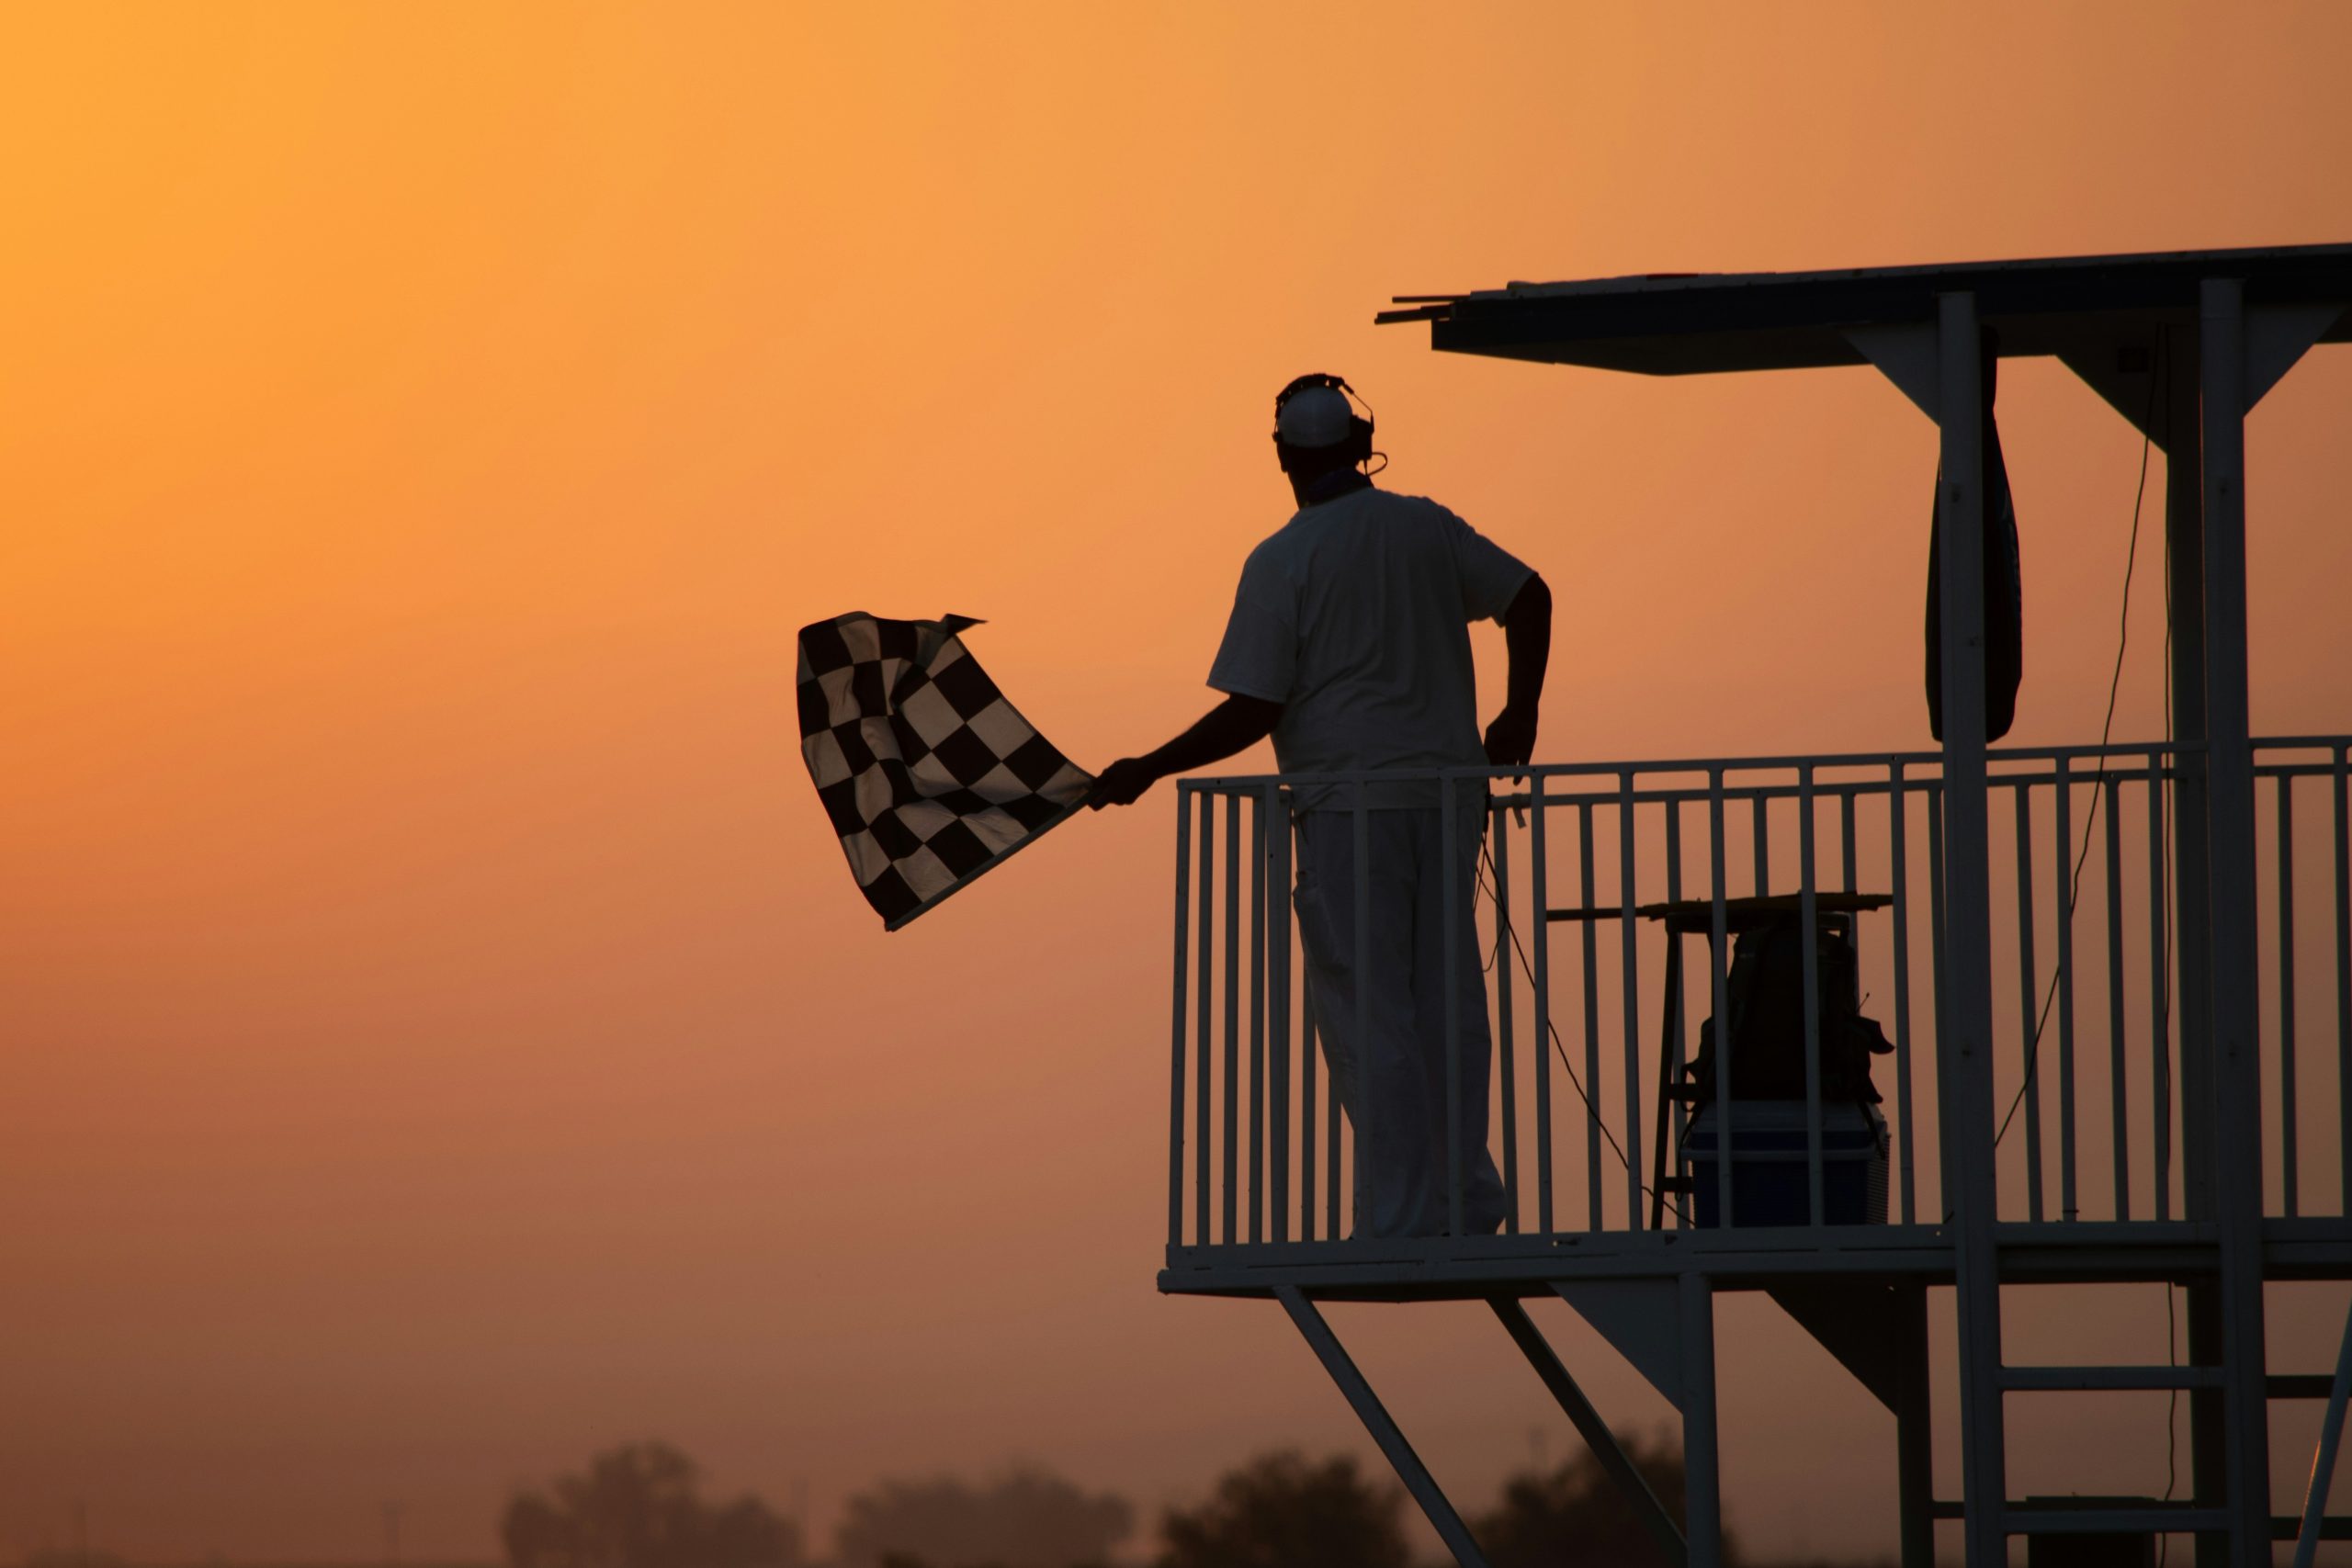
[(1274, 829), (1309, 1066), (1368, 1148), (1448, 867), (1542, 936), (1204, 1023), (1232, 1118), (1588, 949), (1261, 933), (2287, 1140), (1630, 983), (2062, 835), (1718, 961), (1898, 875), (1809, 946), (2160, 1019), (1945, 1184), (2118, 1074), (2340, 775), (1672, 1113), (1176, 1011), (2028, 1002)]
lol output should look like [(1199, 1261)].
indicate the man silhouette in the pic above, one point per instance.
[(1348, 643)]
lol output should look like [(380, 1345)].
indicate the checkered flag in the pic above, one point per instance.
[(929, 776)]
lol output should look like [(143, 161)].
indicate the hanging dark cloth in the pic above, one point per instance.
[(2004, 587)]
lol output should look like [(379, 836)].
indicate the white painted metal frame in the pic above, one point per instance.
[(2197, 799)]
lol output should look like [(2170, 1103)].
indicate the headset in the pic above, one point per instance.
[(1358, 440)]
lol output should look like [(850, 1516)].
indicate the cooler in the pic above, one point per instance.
[(1768, 1174)]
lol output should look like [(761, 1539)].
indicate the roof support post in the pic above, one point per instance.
[(2192, 907), (2235, 1160), (2179, 368), (1964, 1035)]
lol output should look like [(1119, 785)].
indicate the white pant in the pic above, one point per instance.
[(1383, 1031)]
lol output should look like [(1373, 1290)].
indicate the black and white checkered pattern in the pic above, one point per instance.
[(929, 776)]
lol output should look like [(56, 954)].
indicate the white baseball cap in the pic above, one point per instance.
[(1314, 416)]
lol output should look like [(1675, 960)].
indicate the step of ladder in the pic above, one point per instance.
[(2109, 1515), (2043, 1378), (2168, 1517), (2296, 1385), (2335, 1527)]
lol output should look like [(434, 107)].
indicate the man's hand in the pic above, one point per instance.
[(1233, 724), (1511, 739), (1121, 783)]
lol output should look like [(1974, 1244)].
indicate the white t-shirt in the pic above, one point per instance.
[(1355, 616)]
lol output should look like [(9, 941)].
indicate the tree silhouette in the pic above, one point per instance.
[(1577, 1513), (636, 1506), (1283, 1511), (1027, 1519)]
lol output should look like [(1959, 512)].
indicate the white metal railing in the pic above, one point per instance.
[(1589, 1031)]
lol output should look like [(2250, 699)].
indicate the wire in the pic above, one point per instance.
[(2106, 729), (1504, 927), (1551, 1028)]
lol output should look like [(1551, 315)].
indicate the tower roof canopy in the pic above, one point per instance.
[(1683, 323)]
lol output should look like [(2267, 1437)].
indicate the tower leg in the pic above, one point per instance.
[(2231, 990), (1964, 1022), (1702, 1510), (1914, 1437)]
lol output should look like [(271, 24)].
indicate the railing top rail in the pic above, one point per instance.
[(2013, 755)]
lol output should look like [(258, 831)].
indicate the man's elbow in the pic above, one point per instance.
[(1532, 603), (1256, 715)]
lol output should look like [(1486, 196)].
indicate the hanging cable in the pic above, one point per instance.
[(2106, 729), (1503, 927)]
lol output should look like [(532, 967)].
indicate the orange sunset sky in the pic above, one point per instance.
[(439, 1036)]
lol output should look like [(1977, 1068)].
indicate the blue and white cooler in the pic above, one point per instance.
[(1768, 1165)]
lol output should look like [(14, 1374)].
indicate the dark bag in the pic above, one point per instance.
[(2004, 590), (1765, 995)]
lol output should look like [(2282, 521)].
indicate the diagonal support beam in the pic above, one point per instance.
[(1383, 1427), (1904, 354), (2330, 1434), (2276, 337), (1590, 1426), (2122, 370)]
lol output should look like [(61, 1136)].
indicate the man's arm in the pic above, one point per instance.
[(1527, 637), (1234, 724)]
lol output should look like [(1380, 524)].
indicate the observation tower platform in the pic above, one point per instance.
[(2116, 976)]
